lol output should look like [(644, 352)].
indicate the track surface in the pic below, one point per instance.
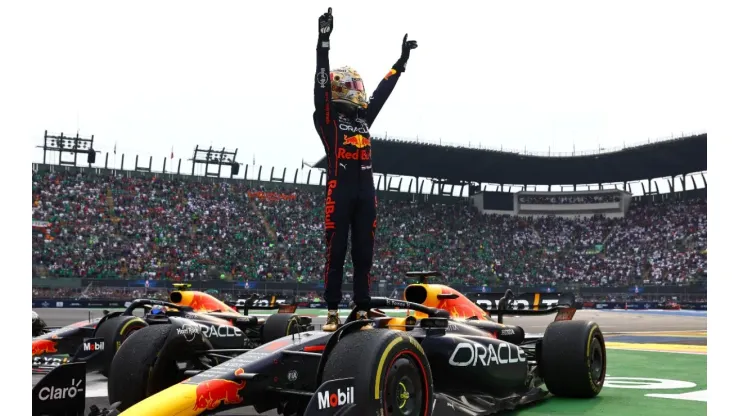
[(623, 327)]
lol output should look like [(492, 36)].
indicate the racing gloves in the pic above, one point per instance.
[(406, 48), (326, 25)]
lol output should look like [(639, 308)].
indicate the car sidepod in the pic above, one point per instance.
[(220, 333), (474, 364)]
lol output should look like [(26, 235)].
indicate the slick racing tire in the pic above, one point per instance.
[(279, 325), (114, 331), (147, 364), (573, 359), (392, 374)]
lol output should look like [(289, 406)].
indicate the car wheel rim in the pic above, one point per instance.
[(130, 330), (597, 361), (403, 392)]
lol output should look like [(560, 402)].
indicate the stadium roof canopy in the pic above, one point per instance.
[(667, 158)]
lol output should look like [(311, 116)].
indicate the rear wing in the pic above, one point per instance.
[(564, 310), (255, 302)]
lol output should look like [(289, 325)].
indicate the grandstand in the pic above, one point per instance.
[(127, 229)]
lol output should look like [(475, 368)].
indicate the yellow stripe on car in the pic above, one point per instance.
[(590, 338), (290, 325), (383, 357), (416, 344), (123, 330), (177, 400), (588, 357)]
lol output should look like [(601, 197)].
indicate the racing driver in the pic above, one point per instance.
[(343, 117)]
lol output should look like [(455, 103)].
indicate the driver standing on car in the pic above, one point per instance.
[(343, 117)]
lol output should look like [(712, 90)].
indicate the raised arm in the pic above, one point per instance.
[(322, 81), (385, 88)]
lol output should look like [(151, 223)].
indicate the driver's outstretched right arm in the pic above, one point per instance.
[(322, 85)]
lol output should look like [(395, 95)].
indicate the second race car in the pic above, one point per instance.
[(221, 324)]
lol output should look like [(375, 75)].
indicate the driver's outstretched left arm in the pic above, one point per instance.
[(385, 88), (382, 92)]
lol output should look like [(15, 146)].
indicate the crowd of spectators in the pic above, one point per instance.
[(181, 229), (569, 199)]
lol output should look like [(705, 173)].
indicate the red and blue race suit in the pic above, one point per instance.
[(351, 202)]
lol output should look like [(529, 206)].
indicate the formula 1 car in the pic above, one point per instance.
[(221, 324), (427, 363)]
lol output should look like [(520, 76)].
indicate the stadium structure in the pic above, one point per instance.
[(490, 177), (495, 182)]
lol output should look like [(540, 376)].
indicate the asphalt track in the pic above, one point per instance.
[(623, 328)]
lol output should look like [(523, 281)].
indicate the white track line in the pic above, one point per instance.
[(96, 389)]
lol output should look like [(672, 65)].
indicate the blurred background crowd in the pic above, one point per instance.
[(112, 227)]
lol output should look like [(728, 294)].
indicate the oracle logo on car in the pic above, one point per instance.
[(220, 331), (470, 355), (340, 398)]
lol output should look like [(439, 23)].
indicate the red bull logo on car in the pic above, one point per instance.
[(358, 140), (43, 346), (211, 394)]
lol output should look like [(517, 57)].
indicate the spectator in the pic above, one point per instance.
[(179, 229)]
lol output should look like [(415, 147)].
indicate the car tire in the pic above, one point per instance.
[(573, 359), (147, 364), (279, 325), (114, 331), (392, 374)]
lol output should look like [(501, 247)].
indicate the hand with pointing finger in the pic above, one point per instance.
[(406, 47), (326, 25)]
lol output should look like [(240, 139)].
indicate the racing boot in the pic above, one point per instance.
[(332, 321), (361, 316)]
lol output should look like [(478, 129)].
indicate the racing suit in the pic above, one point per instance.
[(351, 202)]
